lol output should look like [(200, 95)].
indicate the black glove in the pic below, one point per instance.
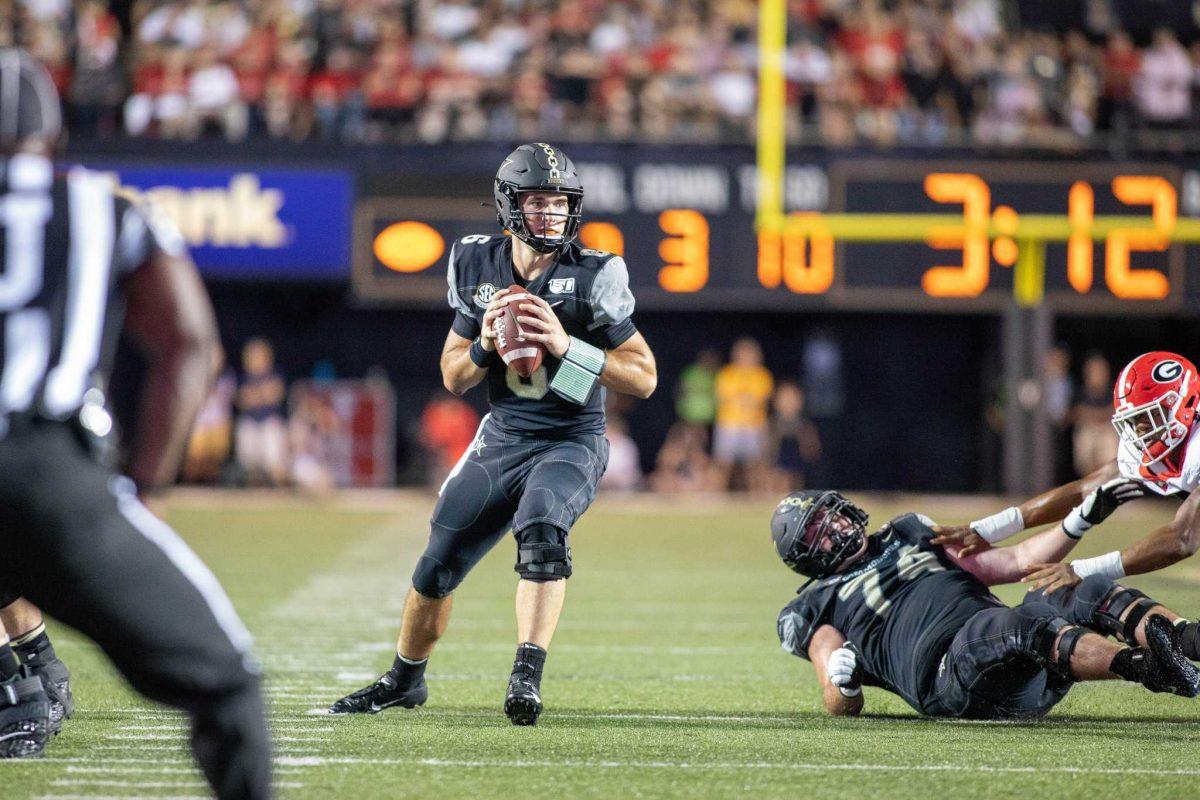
[(1106, 498)]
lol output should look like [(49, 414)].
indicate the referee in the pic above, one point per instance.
[(75, 538)]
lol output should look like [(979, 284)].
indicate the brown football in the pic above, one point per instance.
[(522, 354)]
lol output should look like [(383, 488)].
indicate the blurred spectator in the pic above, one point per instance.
[(1121, 65), (683, 464), (824, 386), (795, 445), (97, 87), (261, 434), (1095, 441), (448, 426), (212, 436), (1057, 388), (624, 473), (744, 388), (696, 391), (310, 426), (1163, 88), (214, 98), (1058, 391)]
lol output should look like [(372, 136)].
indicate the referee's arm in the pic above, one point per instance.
[(171, 319)]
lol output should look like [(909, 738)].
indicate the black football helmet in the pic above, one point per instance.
[(802, 520), (538, 167)]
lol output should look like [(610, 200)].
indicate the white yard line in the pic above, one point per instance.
[(743, 765)]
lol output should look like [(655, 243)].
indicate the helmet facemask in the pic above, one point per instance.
[(516, 224), (1152, 429), (834, 531)]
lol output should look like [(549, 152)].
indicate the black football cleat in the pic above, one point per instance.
[(523, 704), (57, 682), (24, 716), (1169, 669), (383, 693)]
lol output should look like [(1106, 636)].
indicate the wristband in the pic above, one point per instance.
[(573, 382), (578, 371), (1109, 565), (1075, 526), (585, 355), (479, 356), (1000, 526), (847, 692)]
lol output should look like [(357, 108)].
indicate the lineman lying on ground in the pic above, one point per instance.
[(893, 610)]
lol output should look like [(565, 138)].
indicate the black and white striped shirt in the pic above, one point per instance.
[(66, 245)]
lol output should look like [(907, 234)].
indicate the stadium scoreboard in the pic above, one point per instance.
[(893, 235)]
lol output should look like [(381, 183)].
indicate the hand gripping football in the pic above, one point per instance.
[(523, 355)]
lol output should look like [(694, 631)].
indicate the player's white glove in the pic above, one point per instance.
[(845, 671), (1101, 503)]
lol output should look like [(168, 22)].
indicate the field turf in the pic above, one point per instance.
[(665, 678)]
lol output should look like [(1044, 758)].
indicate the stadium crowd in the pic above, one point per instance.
[(929, 72)]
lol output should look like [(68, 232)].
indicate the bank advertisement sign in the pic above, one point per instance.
[(253, 223)]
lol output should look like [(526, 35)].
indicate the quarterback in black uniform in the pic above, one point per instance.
[(893, 611), (537, 458), (79, 263)]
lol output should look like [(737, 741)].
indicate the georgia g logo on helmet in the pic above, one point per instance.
[(1166, 371)]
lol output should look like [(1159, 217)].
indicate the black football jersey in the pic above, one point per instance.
[(67, 243), (588, 290), (902, 608)]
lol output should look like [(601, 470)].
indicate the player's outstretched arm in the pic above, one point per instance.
[(170, 317), (1173, 542), (838, 670), (1045, 509), (997, 565), (630, 368)]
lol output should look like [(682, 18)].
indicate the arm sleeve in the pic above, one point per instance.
[(799, 620), (143, 231), (612, 304), (465, 324)]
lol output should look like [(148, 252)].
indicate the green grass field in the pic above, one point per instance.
[(665, 678)]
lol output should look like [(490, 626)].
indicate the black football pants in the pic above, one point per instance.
[(75, 541)]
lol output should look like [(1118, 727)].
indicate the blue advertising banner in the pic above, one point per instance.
[(254, 223)]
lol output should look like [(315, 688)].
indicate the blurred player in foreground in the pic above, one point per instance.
[(538, 456), (1155, 403), (892, 610), (74, 536)]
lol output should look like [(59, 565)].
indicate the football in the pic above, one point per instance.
[(523, 355)]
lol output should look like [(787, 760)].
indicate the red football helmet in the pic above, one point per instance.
[(1154, 404)]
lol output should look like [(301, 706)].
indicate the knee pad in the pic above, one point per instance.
[(1114, 605), (1058, 657), (542, 553), (433, 579)]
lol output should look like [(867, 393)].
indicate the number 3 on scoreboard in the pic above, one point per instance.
[(970, 279)]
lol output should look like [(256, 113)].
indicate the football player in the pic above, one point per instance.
[(895, 611), (537, 458), (79, 265), (1154, 402)]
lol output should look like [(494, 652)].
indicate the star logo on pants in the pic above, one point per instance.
[(477, 446)]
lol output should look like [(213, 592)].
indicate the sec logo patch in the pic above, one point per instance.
[(484, 294)]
